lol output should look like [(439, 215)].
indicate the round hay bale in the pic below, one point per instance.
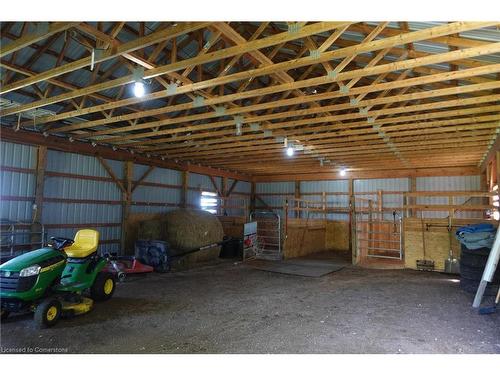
[(151, 230), (187, 229)]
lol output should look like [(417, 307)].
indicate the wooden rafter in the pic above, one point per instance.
[(382, 101)]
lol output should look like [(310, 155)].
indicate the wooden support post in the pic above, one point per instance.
[(484, 187), (370, 228), (451, 212), (184, 190), (252, 196), (127, 200), (39, 187), (497, 170), (380, 200), (488, 176), (412, 200), (297, 197), (352, 222), (323, 205), (40, 176)]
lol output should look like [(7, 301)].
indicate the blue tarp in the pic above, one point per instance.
[(476, 236)]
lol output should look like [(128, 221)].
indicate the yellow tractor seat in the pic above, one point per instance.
[(86, 242)]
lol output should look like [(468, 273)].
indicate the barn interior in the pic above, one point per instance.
[(254, 187)]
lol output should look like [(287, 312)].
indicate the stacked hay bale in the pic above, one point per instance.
[(185, 230)]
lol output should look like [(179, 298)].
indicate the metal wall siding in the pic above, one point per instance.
[(80, 213), (324, 186), (72, 188), (448, 183), (16, 211), (241, 186), (201, 181), (17, 155), (165, 176), (66, 162), (156, 194), (17, 184), (387, 184), (275, 187)]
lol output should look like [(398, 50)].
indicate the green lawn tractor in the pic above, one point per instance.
[(52, 281)]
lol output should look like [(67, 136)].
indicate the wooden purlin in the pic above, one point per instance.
[(415, 106)]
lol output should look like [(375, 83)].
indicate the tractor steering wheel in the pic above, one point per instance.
[(60, 243)]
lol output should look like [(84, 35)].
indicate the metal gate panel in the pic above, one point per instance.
[(379, 237), (268, 235)]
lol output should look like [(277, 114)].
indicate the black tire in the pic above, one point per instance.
[(48, 313), (470, 286), (4, 315), (476, 273), (473, 260), (100, 290), (482, 251), (471, 273)]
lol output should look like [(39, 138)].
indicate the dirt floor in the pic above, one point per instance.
[(232, 308)]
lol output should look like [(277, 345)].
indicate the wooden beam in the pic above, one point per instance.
[(491, 153), (214, 183), (373, 174), (25, 41), (39, 187), (143, 177), (57, 143), (128, 173), (108, 169), (223, 186), (410, 82), (152, 73), (184, 190), (253, 189), (139, 43), (287, 114), (297, 196), (233, 185)]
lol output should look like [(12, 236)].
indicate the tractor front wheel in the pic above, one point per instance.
[(103, 287), (48, 312)]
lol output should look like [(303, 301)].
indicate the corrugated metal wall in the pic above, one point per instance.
[(274, 194), (17, 184), (76, 188), (161, 191), (163, 194), (372, 186), (334, 186), (449, 183)]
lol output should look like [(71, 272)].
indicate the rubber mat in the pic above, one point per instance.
[(298, 267)]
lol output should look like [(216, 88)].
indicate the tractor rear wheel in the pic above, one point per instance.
[(48, 312), (103, 287)]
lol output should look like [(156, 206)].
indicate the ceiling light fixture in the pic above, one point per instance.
[(343, 172), (290, 151), (139, 89)]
